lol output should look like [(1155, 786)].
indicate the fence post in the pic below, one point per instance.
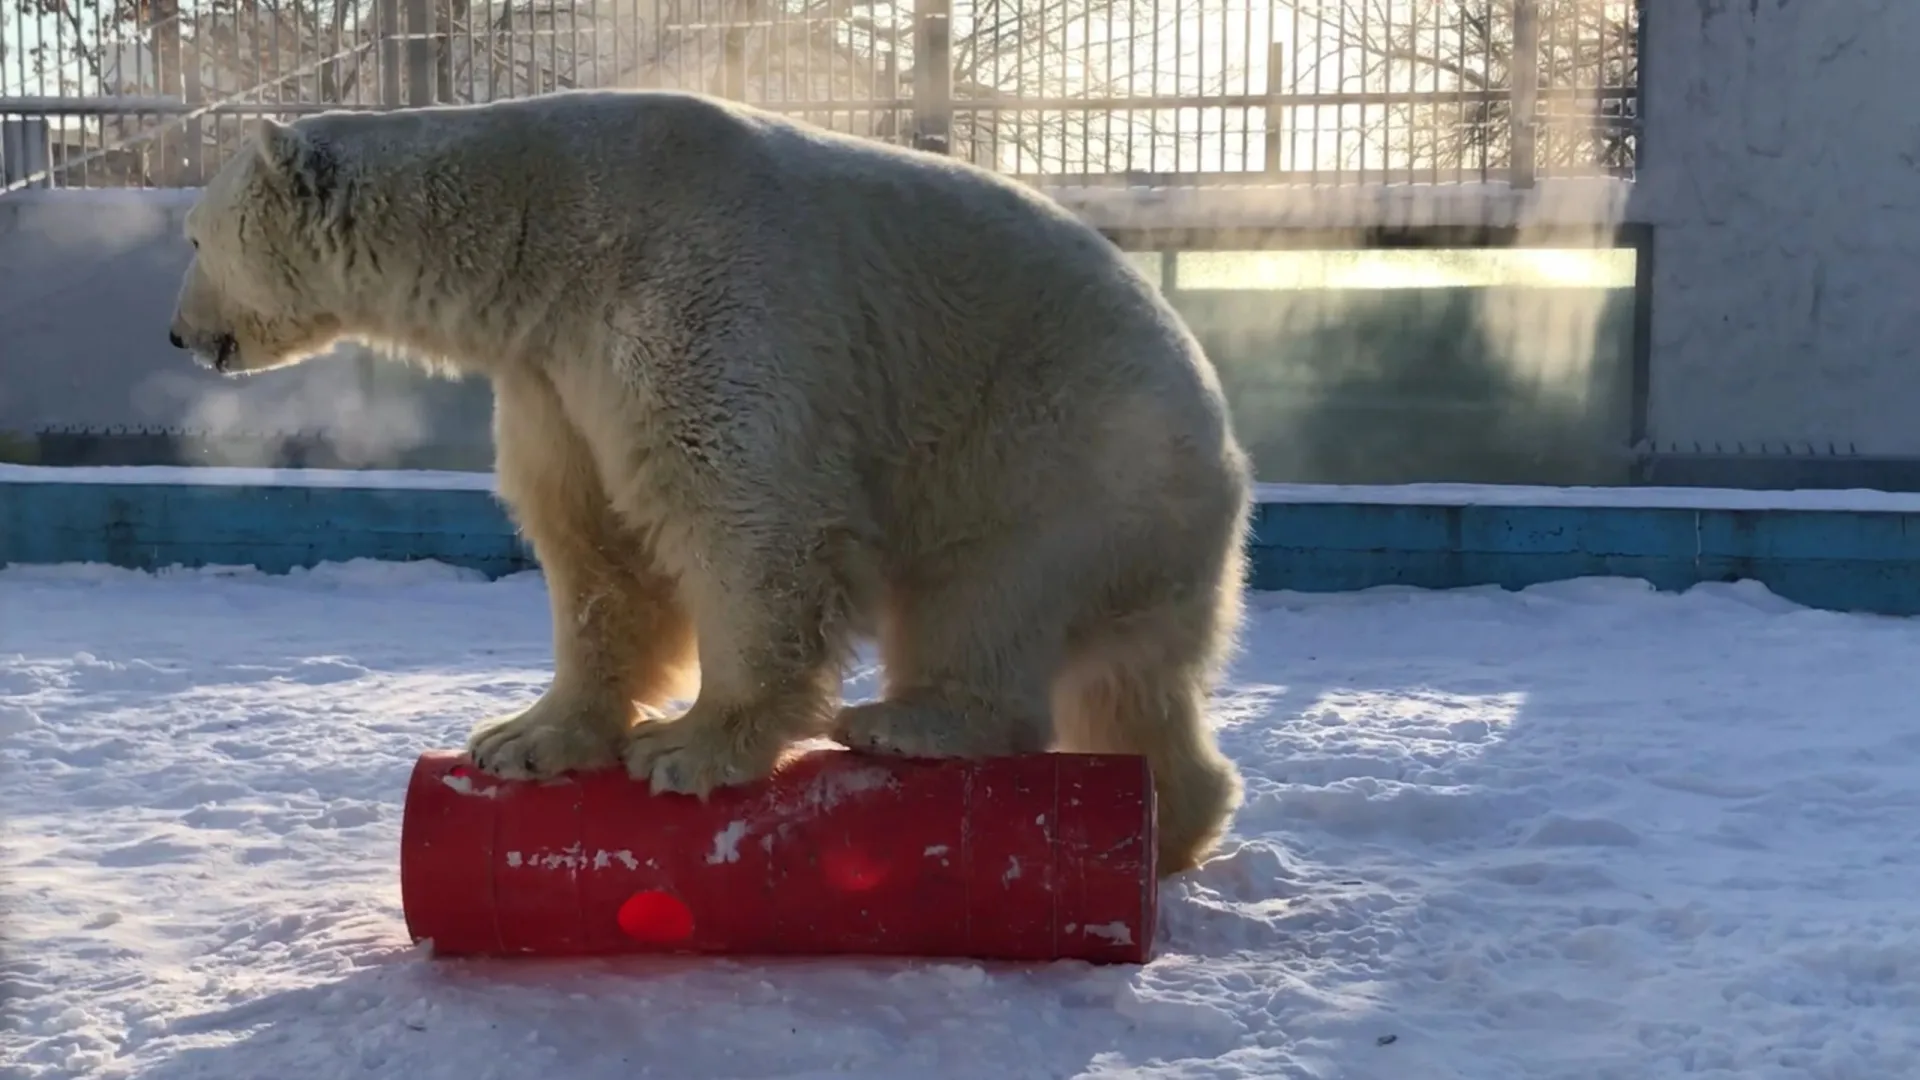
[(932, 74), (166, 160), (1639, 85), (421, 37), (26, 149), (195, 135), (1525, 90), (733, 64), (387, 17), (1276, 61)]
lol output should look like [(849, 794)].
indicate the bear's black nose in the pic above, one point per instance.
[(175, 338)]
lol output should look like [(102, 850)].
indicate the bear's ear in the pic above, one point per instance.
[(293, 158)]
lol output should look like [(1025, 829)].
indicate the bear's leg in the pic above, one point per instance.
[(620, 636), (1141, 686), (773, 631), (967, 661)]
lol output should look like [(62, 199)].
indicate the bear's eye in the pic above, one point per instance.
[(195, 242)]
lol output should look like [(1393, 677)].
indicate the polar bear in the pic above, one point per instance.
[(763, 391)]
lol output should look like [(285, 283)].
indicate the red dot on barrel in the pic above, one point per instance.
[(655, 917), (852, 870)]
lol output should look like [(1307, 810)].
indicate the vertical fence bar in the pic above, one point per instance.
[(421, 38), (932, 74), (387, 20), (26, 149), (165, 150), (1638, 83), (1276, 61), (733, 56), (444, 18), (1522, 123), (194, 136)]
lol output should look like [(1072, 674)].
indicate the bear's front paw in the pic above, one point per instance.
[(559, 733), (696, 754)]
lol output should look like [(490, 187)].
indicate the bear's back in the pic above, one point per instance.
[(932, 278), (732, 178), (781, 178)]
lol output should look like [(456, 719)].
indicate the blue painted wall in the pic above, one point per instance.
[(1846, 560), (278, 528)]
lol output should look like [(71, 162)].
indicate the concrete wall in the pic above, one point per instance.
[(1780, 171), (1781, 167)]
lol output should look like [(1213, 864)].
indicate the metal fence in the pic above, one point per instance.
[(98, 93)]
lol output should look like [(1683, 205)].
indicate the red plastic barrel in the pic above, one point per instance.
[(1037, 857)]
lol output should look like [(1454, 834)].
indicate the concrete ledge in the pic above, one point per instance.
[(1847, 551)]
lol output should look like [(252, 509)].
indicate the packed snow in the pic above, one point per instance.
[(1586, 830)]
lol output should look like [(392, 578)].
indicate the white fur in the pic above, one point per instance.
[(761, 389)]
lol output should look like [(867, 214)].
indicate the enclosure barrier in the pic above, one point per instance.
[(1846, 551), (1344, 92), (1473, 126)]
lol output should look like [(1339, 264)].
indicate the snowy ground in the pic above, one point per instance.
[(1582, 831)]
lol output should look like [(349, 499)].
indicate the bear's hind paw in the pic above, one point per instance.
[(923, 730)]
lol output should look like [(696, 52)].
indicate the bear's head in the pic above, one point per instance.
[(260, 292)]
